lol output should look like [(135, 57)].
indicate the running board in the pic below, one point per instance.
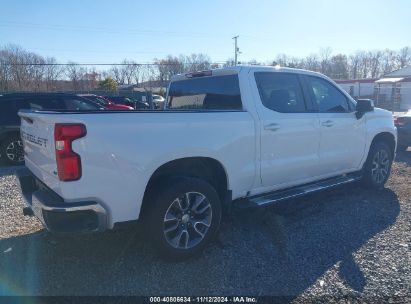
[(281, 195)]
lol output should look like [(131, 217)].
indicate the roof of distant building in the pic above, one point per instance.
[(367, 80), (404, 72)]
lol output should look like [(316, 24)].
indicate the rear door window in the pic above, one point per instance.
[(280, 92), (205, 93)]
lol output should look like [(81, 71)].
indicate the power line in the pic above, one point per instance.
[(107, 64), (128, 51), (105, 30), (116, 30)]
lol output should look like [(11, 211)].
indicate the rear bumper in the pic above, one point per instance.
[(57, 215)]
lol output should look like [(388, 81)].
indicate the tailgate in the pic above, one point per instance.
[(37, 133)]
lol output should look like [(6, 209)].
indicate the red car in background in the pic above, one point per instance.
[(105, 102)]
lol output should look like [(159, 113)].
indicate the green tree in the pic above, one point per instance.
[(108, 84)]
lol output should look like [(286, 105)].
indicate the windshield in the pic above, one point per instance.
[(101, 101), (80, 104)]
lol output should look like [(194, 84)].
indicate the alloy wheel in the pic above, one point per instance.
[(14, 151), (187, 220), (380, 166)]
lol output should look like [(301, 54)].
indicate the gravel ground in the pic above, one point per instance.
[(348, 241)]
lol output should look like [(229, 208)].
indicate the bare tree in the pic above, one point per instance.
[(282, 60), (338, 67), (76, 75), (148, 76), (126, 73), (118, 74), (375, 66), (168, 67), (130, 71), (17, 58), (195, 62), (388, 63), (23, 70), (52, 73), (253, 62), (229, 63), (325, 55), (312, 63), (404, 57), (35, 71), (5, 73), (135, 73), (353, 65)]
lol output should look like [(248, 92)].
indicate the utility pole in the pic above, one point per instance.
[(236, 50)]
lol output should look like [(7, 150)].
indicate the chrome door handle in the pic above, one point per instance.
[(271, 127), (327, 123)]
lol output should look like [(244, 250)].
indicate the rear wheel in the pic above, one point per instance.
[(378, 165), (12, 150), (183, 218)]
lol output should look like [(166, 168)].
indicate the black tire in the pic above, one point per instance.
[(377, 168), (12, 150), (165, 212), (402, 148)]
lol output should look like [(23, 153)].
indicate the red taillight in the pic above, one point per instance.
[(68, 162), (400, 121)]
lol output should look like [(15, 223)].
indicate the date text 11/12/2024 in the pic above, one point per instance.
[(204, 299)]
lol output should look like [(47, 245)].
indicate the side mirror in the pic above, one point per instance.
[(364, 106)]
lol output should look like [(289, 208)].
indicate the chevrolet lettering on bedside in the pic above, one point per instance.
[(34, 139)]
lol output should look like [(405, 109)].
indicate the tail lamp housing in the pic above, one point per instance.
[(400, 121), (68, 162)]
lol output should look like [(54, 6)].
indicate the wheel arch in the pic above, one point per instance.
[(206, 168), (387, 138)]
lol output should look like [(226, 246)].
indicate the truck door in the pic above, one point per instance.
[(290, 133), (343, 139)]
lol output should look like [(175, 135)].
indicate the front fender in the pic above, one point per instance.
[(378, 122)]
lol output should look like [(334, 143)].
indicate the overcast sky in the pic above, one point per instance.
[(104, 31)]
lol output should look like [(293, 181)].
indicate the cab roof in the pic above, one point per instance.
[(237, 69)]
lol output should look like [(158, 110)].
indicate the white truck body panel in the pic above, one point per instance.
[(260, 149), (115, 172)]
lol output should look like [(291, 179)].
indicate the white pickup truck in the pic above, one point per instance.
[(241, 136)]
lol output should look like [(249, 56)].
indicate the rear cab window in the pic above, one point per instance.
[(205, 93)]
